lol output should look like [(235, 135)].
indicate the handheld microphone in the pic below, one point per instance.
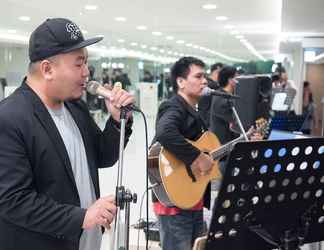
[(95, 88), (208, 91)]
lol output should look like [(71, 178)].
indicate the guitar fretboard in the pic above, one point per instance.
[(225, 149)]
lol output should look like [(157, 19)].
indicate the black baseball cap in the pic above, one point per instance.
[(56, 36)]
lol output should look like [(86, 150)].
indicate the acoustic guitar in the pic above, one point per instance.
[(169, 177)]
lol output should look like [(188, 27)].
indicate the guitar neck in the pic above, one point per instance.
[(225, 149)]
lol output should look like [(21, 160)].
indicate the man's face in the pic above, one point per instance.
[(70, 73), (193, 85)]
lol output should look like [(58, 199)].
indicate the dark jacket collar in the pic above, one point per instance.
[(48, 124)]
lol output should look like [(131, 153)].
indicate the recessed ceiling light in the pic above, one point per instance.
[(229, 26), (195, 46), (239, 37), (24, 18), (234, 32), (12, 31), (162, 50), (141, 27), (209, 6), (156, 33), (221, 18), (189, 45), (170, 52), (133, 44), (144, 46), (180, 41), (121, 40), (120, 19), (153, 48), (84, 31), (169, 37), (90, 7)]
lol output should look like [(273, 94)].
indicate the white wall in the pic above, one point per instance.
[(13, 63)]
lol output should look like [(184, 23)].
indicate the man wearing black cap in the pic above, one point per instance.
[(51, 149)]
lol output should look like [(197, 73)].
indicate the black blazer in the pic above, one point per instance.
[(39, 202)]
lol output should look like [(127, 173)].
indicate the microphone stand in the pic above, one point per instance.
[(123, 196), (237, 118)]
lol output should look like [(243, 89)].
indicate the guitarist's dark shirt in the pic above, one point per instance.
[(177, 121)]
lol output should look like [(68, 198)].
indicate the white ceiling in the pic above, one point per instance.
[(259, 21)]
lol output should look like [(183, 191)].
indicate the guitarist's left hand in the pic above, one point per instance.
[(255, 135)]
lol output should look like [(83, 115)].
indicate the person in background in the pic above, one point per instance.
[(178, 120), (51, 149), (309, 109), (205, 101)]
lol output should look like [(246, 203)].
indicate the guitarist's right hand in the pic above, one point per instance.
[(202, 165)]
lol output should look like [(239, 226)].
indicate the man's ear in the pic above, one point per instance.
[(180, 82), (46, 69)]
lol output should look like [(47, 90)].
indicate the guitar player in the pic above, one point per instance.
[(221, 117), (178, 120)]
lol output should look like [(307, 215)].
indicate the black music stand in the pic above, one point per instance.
[(271, 196)]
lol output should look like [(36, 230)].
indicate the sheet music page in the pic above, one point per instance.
[(278, 103)]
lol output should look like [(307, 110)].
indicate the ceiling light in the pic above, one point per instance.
[(133, 44), (153, 48), (162, 50), (250, 47), (209, 6), (234, 32), (156, 33), (221, 18), (24, 18), (84, 31), (121, 40), (180, 41), (120, 19), (141, 27), (170, 52), (90, 7), (169, 37), (239, 37), (195, 46), (143, 46), (189, 45), (243, 40), (12, 31), (229, 27)]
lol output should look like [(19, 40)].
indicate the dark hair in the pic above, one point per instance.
[(216, 66), (275, 77), (306, 84), (225, 74), (181, 68)]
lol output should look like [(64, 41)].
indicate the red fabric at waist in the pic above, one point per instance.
[(160, 209)]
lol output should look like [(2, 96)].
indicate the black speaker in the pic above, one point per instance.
[(254, 102)]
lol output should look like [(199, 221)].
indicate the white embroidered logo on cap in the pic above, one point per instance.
[(74, 30)]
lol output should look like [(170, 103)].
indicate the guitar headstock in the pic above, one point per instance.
[(262, 126)]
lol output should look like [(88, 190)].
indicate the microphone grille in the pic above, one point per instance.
[(92, 87), (206, 91)]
